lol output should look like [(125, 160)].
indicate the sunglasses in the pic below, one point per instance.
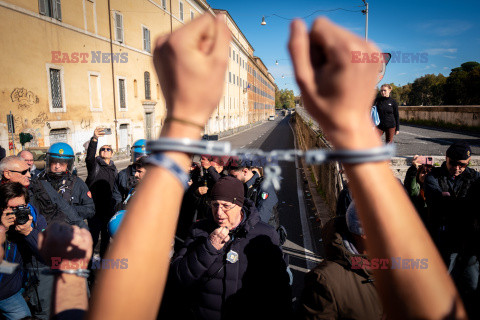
[(455, 163), (24, 172), (105, 149)]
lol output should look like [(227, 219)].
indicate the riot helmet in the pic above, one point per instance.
[(62, 154), (139, 149)]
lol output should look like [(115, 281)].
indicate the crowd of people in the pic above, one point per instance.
[(210, 248)]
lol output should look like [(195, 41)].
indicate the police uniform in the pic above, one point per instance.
[(265, 199)]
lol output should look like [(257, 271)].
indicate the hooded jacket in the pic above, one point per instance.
[(254, 287), (339, 287)]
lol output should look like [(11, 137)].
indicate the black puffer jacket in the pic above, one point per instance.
[(255, 287), (100, 180)]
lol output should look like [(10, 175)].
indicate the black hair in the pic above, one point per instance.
[(11, 190)]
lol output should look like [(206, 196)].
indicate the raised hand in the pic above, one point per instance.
[(337, 92), (219, 237), (191, 65)]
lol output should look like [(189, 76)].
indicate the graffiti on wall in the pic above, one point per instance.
[(24, 98), (40, 119), (85, 124)]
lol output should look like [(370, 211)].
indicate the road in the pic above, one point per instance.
[(294, 214), (420, 140)]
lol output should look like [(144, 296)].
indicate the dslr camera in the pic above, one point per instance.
[(21, 213)]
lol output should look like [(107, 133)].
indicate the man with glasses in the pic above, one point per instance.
[(231, 265), (15, 169), (28, 157), (452, 192), (100, 180)]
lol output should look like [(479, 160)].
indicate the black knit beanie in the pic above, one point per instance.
[(228, 189)]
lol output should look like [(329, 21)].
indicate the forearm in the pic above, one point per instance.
[(394, 230), (69, 292), (159, 189)]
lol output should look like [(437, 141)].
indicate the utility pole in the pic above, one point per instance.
[(365, 12)]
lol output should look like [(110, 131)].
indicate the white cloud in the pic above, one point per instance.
[(445, 28), (445, 68), (450, 57), (437, 51), (403, 73)]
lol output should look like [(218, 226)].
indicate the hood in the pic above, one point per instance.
[(336, 239), (102, 162)]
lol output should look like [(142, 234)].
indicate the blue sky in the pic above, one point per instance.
[(449, 31)]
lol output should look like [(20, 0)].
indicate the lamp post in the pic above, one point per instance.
[(276, 61), (365, 12)]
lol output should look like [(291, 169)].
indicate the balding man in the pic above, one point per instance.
[(15, 169), (28, 157)]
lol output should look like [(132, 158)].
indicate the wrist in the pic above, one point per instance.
[(3, 229), (174, 129)]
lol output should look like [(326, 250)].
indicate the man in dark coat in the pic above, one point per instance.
[(101, 177), (231, 266), (452, 192), (342, 286)]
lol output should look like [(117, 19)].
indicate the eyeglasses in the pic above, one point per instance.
[(455, 163), (225, 208), (24, 172), (105, 149)]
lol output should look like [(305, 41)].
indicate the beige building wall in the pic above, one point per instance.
[(77, 44), (95, 51)]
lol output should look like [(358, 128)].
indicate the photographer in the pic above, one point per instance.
[(23, 225), (414, 183)]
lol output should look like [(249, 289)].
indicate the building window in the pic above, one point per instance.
[(192, 15), (164, 4), (135, 88), (234, 79), (146, 39), (95, 91), (181, 10), (237, 82), (147, 86), (229, 77), (118, 27), (56, 88), (50, 8), (122, 94)]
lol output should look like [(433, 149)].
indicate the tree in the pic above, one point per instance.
[(284, 99)]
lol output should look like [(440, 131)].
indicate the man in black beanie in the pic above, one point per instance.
[(452, 194), (231, 265)]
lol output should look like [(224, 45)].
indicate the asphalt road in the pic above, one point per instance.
[(430, 141), (294, 214)]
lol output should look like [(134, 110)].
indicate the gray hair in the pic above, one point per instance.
[(7, 161)]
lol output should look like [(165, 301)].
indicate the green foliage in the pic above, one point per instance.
[(284, 99), (461, 87)]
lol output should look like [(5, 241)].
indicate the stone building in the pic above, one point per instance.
[(70, 66)]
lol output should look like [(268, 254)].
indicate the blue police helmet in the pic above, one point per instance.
[(60, 152), (139, 149), (115, 222)]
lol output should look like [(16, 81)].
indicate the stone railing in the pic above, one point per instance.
[(461, 116)]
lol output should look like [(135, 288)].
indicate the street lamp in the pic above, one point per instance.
[(365, 12), (276, 61), (264, 23)]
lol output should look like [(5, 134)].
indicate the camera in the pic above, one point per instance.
[(21, 213)]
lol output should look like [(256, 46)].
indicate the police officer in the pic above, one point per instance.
[(265, 199), (57, 193), (126, 179)]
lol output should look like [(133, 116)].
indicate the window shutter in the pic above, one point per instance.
[(119, 27), (43, 7), (121, 89), (147, 85), (57, 10), (146, 39)]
